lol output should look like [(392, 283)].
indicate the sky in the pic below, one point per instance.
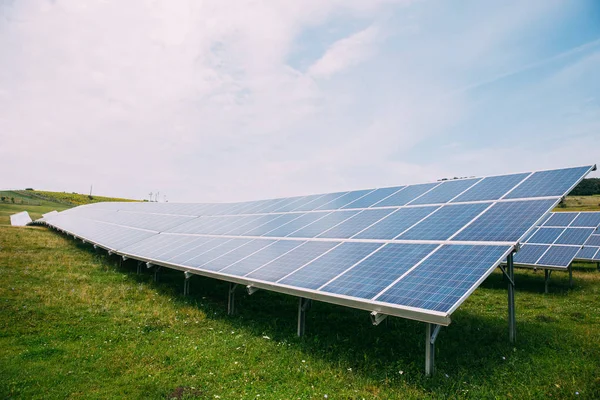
[(208, 100)]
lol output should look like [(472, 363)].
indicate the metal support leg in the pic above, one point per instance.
[(231, 301), (157, 273), (547, 273), (431, 333), (303, 306), (139, 267), (186, 283), (512, 321), (570, 276)]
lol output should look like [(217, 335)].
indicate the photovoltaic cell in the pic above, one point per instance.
[(202, 245), (396, 223), (529, 253), (295, 204), (375, 273), (506, 221), (330, 265), (587, 253), (446, 191), (296, 224), (373, 197), (276, 221), (445, 222), (406, 195), (559, 256), (340, 202), (291, 261), (236, 255), (323, 224), (491, 188), (587, 219), (318, 202), (545, 235), (357, 223), (439, 282), (263, 257), (575, 236), (548, 183), (218, 251), (562, 219), (594, 240)]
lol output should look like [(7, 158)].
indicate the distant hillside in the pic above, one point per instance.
[(72, 199)]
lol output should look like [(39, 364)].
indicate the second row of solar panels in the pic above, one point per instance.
[(525, 185)]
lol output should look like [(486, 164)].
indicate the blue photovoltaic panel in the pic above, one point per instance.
[(323, 224), (587, 219), (491, 188), (357, 223), (247, 224), (396, 223), (378, 271), (446, 191), (545, 235), (218, 251), (406, 195), (236, 255), (587, 253), (197, 248), (287, 202), (530, 253), (276, 221), (559, 256), (594, 240), (297, 223), (575, 236), (294, 204), (263, 257), (444, 222), (318, 202), (330, 265), (291, 261), (340, 202), (158, 245), (373, 197), (563, 219), (506, 221), (439, 282), (549, 183), (180, 245)]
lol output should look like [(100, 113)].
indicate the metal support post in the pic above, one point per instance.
[(186, 283), (303, 307), (547, 273), (598, 266), (139, 267), (157, 273), (231, 300), (431, 333), (512, 321), (570, 276)]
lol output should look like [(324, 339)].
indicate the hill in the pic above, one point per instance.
[(40, 202)]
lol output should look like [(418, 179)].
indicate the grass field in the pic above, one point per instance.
[(75, 324)]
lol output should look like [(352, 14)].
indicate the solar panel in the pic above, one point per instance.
[(20, 219), (564, 238), (413, 251)]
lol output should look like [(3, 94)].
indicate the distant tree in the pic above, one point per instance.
[(12, 199), (587, 187), (28, 188)]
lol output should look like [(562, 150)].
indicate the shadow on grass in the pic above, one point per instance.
[(473, 348), (531, 281)]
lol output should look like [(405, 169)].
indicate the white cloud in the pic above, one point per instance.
[(346, 52)]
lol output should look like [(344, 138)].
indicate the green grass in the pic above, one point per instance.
[(580, 203), (75, 324), (72, 199)]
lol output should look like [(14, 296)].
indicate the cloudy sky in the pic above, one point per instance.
[(238, 100)]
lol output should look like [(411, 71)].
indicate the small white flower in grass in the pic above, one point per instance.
[(303, 361), (326, 396), (401, 372), (235, 363), (446, 375), (504, 358), (266, 337), (577, 393), (350, 369)]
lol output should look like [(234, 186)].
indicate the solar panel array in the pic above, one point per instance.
[(414, 251), (560, 239)]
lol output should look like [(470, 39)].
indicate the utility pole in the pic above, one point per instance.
[(91, 186)]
